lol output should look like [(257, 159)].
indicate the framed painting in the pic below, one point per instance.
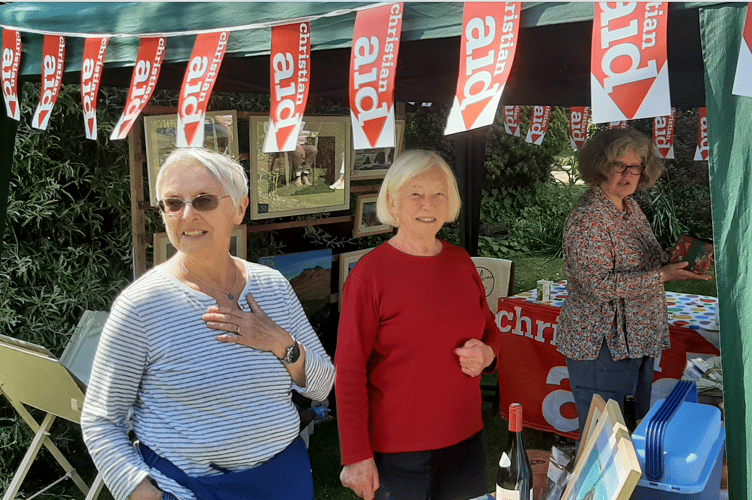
[(366, 221), (373, 163), (163, 249), (346, 262), (304, 181), (310, 274), (220, 134)]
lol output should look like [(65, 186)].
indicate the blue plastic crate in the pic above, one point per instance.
[(680, 447)]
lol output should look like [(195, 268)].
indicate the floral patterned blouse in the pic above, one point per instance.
[(612, 263)]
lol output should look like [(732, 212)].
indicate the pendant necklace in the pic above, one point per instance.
[(229, 295)]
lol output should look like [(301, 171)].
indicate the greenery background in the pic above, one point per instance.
[(67, 243)]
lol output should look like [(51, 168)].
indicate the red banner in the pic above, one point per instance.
[(619, 124), (538, 124), (579, 119), (629, 70), (663, 134), (701, 153), (290, 80), (9, 71), (198, 82), (95, 50), (533, 373), (743, 77), (489, 42), (512, 120), (143, 82), (53, 62), (373, 62)]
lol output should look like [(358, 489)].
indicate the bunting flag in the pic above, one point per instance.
[(663, 134), (290, 76), (11, 61), (95, 51), (743, 77), (143, 82), (373, 62), (619, 124), (629, 69), (579, 119), (198, 82), (489, 42), (538, 124), (701, 153), (53, 62), (512, 120)]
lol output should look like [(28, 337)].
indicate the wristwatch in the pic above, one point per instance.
[(292, 354)]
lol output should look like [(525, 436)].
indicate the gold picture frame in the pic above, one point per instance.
[(303, 181), (163, 249), (346, 262), (373, 163), (367, 222), (220, 134)]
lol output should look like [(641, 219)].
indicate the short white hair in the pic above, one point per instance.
[(225, 169), (406, 166)]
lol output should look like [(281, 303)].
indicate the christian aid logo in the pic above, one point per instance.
[(578, 121), (512, 120), (370, 115), (91, 81), (285, 117), (663, 132), (622, 72), (190, 113), (9, 72), (702, 143), (477, 91), (538, 124), (52, 73)]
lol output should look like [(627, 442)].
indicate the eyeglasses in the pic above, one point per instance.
[(620, 167), (201, 203)]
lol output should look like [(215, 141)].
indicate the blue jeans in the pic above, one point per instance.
[(611, 380)]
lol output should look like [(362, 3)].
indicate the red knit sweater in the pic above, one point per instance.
[(399, 385)]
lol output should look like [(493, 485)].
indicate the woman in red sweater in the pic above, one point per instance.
[(415, 334)]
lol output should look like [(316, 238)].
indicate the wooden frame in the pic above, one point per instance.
[(274, 190), (366, 221), (346, 263), (163, 249), (373, 163), (161, 132)]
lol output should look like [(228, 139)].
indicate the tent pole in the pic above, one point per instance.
[(470, 152), (8, 127)]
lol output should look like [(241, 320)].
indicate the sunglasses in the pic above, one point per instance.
[(201, 203), (620, 167)]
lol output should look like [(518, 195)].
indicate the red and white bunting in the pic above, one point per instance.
[(579, 119), (512, 120), (619, 124), (290, 81), (53, 63), (373, 62), (538, 124), (663, 134), (11, 61), (629, 70), (701, 153), (95, 50), (743, 77), (489, 42), (143, 82), (198, 82)]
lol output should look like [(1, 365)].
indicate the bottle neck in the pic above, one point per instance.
[(515, 419)]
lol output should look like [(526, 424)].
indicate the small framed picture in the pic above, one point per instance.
[(366, 221), (220, 134), (346, 262), (373, 163), (163, 249)]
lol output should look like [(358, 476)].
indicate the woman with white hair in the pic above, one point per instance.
[(415, 334), (204, 350)]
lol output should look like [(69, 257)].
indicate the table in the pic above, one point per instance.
[(532, 372)]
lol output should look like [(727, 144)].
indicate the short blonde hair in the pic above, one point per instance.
[(599, 152), (225, 169), (406, 166)]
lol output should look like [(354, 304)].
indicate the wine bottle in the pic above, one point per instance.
[(630, 412), (514, 479)]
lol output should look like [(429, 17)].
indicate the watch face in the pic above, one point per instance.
[(293, 353)]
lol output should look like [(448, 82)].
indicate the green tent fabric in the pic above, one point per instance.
[(730, 141)]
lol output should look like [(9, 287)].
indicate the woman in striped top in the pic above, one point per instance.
[(204, 350)]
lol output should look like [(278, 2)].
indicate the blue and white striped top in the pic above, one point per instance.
[(195, 400)]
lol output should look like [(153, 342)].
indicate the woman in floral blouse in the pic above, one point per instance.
[(614, 322)]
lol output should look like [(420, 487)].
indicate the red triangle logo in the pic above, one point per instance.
[(191, 129), (373, 128), (283, 134), (471, 113)]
